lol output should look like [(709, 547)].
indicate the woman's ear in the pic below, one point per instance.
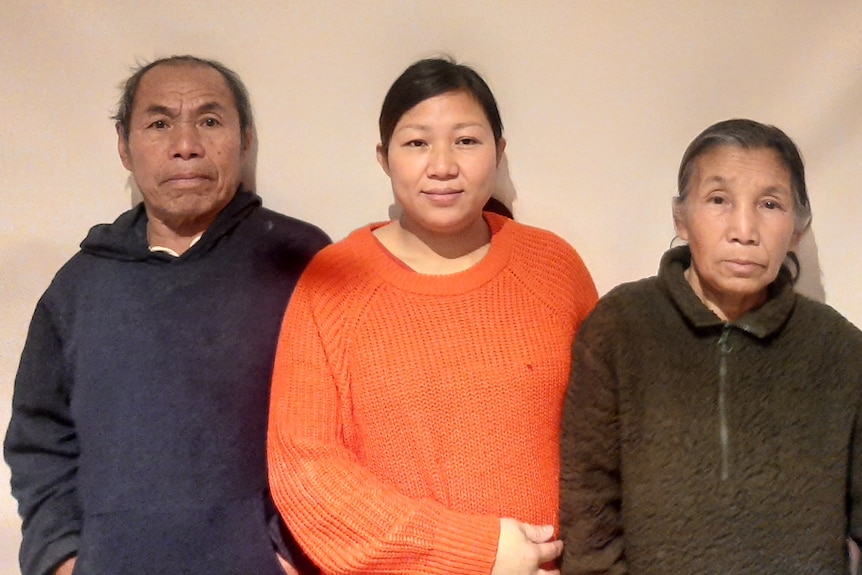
[(799, 232), (501, 148), (382, 158), (678, 210), (794, 241)]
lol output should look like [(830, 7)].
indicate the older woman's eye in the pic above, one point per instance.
[(718, 200)]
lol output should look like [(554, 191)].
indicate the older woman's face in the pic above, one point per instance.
[(738, 220)]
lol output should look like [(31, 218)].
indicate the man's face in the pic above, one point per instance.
[(184, 145)]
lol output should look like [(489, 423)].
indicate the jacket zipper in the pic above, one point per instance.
[(723, 433)]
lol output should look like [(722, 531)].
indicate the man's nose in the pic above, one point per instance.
[(186, 141)]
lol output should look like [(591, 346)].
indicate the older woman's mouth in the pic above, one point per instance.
[(744, 267)]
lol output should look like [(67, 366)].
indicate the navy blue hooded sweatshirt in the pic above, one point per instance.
[(137, 439)]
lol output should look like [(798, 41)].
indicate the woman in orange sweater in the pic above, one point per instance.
[(421, 368)]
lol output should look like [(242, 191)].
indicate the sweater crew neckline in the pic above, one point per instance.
[(396, 273)]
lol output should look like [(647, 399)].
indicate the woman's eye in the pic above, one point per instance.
[(468, 141), (415, 144)]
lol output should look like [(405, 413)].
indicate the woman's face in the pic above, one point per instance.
[(442, 161), (738, 220)]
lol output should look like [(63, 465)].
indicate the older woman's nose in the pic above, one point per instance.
[(743, 225)]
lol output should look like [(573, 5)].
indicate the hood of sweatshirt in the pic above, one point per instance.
[(126, 238)]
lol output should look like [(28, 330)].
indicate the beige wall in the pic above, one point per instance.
[(599, 100)]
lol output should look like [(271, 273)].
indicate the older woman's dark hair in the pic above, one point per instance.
[(123, 117), (749, 135), (432, 77)]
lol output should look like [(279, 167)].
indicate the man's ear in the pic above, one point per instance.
[(123, 147), (382, 158), (247, 138), (501, 148)]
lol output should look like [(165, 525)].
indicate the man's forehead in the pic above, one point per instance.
[(183, 85)]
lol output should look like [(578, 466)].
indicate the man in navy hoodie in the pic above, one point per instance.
[(137, 438)]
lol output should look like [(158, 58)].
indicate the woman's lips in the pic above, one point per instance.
[(443, 197), (743, 267)]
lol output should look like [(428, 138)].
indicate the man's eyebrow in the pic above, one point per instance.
[(210, 107), (205, 108), (157, 110)]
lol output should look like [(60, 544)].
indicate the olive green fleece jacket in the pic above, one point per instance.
[(692, 445)]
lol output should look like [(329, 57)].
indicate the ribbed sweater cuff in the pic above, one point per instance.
[(467, 546)]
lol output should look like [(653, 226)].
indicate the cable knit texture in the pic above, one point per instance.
[(411, 411), (691, 445)]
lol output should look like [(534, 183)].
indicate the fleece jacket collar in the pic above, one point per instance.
[(762, 322)]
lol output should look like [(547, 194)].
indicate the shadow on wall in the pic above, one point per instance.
[(810, 280)]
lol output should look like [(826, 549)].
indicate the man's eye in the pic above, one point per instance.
[(211, 122), (159, 124)]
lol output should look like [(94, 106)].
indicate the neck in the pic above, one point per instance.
[(174, 236), (728, 307), (430, 253)]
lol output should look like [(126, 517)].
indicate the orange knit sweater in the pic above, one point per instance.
[(410, 412)]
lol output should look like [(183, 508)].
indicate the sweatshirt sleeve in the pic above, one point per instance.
[(41, 448), (343, 516), (590, 492)]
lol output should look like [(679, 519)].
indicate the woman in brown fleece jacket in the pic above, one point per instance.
[(712, 421)]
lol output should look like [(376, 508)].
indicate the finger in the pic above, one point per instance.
[(549, 551), (538, 533)]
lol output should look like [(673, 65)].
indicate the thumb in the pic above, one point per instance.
[(537, 533)]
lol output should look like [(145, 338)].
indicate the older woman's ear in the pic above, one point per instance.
[(800, 232), (678, 210), (797, 237)]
